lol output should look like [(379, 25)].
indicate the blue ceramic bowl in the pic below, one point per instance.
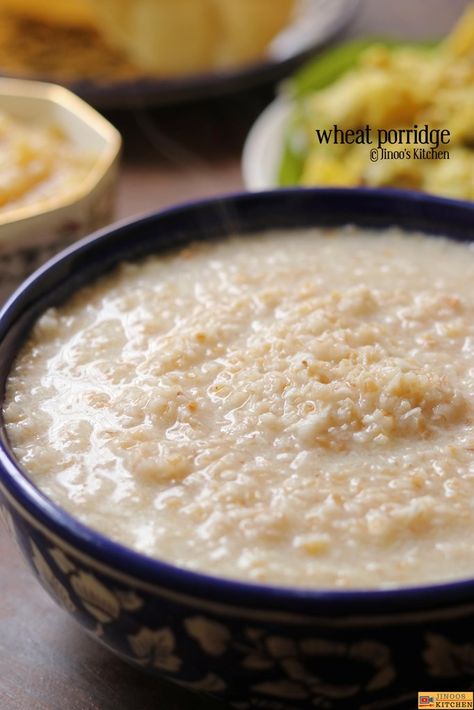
[(254, 646)]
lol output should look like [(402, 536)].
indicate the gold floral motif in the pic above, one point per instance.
[(49, 580), (63, 562), (128, 600), (446, 659), (296, 661), (155, 648), (104, 604), (101, 603), (299, 682), (211, 636)]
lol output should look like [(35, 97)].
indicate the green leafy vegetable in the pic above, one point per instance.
[(318, 74), (331, 65), (293, 157)]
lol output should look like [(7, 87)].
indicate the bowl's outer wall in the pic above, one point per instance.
[(259, 647)]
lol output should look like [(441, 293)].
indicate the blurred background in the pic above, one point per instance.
[(173, 152)]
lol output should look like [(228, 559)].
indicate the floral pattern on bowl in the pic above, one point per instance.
[(290, 667)]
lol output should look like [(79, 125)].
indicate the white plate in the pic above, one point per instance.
[(264, 146)]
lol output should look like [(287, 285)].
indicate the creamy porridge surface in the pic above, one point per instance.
[(294, 409)]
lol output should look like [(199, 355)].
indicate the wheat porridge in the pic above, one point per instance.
[(288, 408)]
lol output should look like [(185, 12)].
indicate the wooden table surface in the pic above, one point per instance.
[(170, 155)]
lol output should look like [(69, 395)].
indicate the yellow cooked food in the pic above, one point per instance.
[(398, 87), (186, 36), (70, 13), (165, 37), (38, 163)]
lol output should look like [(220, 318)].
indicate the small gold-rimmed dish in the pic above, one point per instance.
[(33, 229)]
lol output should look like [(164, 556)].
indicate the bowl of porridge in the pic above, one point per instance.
[(237, 444)]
